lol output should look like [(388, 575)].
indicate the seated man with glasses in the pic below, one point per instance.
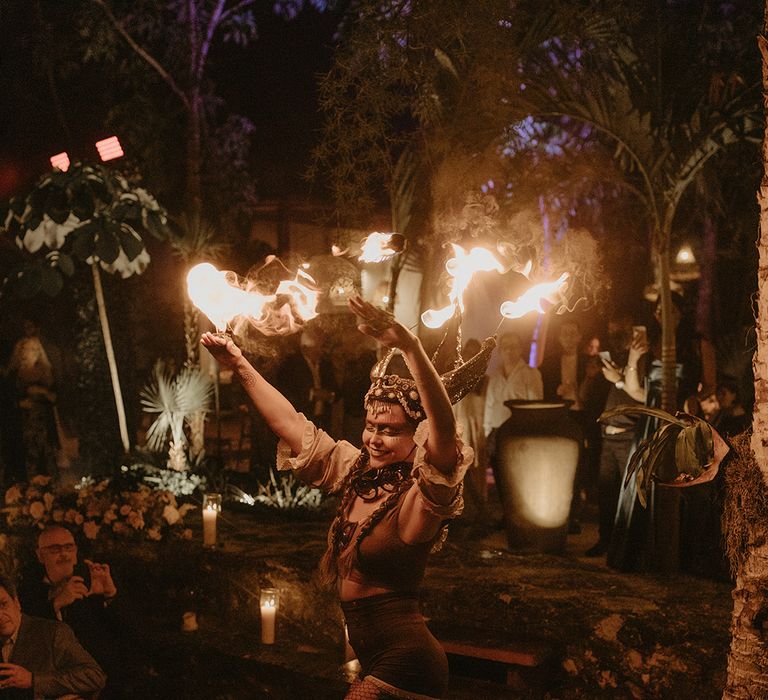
[(78, 594)]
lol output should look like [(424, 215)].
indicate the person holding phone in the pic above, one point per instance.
[(618, 433), (72, 592)]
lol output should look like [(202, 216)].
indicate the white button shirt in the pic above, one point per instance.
[(523, 382)]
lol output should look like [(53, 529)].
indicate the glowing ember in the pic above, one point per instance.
[(531, 300), (220, 296), (462, 267), (378, 247)]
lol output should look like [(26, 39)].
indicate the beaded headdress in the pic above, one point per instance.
[(458, 382)]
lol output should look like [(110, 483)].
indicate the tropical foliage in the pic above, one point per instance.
[(90, 213), (283, 492), (181, 403), (683, 451), (461, 92)]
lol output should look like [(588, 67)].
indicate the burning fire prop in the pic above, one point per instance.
[(223, 298), (226, 300), (378, 247), (531, 300), (462, 268)]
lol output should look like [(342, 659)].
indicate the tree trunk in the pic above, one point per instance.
[(194, 159), (110, 357), (748, 656), (668, 329)]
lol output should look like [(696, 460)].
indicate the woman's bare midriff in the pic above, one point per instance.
[(352, 590)]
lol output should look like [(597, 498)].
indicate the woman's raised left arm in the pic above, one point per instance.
[(441, 441)]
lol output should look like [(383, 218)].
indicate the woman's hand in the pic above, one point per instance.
[(222, 348), (637, 349), (611, 371), (381, 325)]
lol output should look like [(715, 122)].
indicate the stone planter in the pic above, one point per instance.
[(537, 452)]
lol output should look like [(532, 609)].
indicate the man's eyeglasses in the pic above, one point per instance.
[(59, 548)]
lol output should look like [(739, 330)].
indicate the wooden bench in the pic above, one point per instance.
[(499, 662)]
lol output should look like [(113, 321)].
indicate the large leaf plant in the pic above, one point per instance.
[(89, 215), (683, 451)]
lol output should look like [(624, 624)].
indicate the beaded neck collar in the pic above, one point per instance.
[(369, 484)]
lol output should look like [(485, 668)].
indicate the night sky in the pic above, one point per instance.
[(272, 82)]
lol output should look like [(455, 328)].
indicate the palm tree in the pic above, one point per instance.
[(432, 84), (746, 511), (663, 123)]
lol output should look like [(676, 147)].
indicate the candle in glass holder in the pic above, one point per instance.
[(211, 509), (269, 601)]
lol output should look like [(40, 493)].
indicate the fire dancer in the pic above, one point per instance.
[(398, 493)]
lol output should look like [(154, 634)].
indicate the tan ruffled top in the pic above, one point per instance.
[(382, 559)]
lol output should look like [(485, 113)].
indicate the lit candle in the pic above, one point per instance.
[(189, 622), (269, 602), (211, 508)]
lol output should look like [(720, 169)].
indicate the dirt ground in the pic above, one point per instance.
[(576, 628)]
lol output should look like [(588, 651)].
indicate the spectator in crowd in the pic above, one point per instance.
[(306, 378), (731, 417), (356, 381), (513, 380), (623, 372), (80, 595), (33, 375), (42, 658), (593, 392)]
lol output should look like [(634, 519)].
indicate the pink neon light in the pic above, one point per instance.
[(60, 161), (109, 149)]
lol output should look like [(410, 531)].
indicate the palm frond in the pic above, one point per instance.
[(175, 400)]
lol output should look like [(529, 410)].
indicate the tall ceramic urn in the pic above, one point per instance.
[(538, 452)]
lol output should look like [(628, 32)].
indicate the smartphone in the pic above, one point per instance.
[(605, 355), (640, 333), (83, 571)]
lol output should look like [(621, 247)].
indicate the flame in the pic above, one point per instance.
[(304, 298), (531, 300), (220, 296), (432, 318), (378, 247), (462, 267)]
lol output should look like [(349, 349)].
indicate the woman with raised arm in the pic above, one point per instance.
[(397, 494)]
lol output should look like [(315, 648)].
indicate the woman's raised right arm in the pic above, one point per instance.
[(277, 411)]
